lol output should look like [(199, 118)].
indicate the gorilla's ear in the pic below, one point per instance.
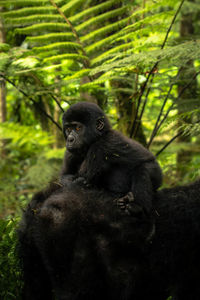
[(100, 124)]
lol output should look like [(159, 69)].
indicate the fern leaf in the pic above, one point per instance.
[(50, 38), (26, 3), (72, 4), (59, 46), (103, 17), (28, 11), (35, 19), (158, 18), (102, 43), (44, 27), (115, 50), (106, 30), (79, 74), (94, 10), (153, 9), (57, 58), (176, 54)]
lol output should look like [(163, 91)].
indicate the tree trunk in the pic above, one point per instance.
[(3, 111)]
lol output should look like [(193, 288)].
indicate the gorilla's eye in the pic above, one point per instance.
[(68, 130), (78, 128)]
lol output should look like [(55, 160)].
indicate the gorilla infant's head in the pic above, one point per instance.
[(83, 124)]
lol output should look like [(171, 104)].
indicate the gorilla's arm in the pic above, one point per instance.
[(145, 180), (95, 164), (71, 165), (142, 189)]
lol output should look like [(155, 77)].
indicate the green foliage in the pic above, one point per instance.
[(111, 30), (29, 165), (10, 275), (45, 169)]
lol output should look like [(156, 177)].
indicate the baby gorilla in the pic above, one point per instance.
[(105, 159)]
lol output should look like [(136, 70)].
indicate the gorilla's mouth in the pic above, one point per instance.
[(69, 146)]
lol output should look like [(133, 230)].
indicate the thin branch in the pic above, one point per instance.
[(175, 137), (86, 64), (144, 104), (179, 95), (56, 100), (155, 129), (32, 100), (168, 143), (172, 23), (139, 101), (136, 122)]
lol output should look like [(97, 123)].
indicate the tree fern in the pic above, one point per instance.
[(113, 40), (92, 26)]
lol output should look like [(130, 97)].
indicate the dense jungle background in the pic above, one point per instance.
[(139, 60)]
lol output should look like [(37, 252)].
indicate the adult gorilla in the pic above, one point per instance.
[(76, 245)]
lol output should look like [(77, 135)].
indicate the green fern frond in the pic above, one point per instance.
[(153, 10), (143, 31), (28, 11), (176, 54), (128, 45), (51, 37), (26, 3), (124, 47), (35, 19), (152, 42), (44, 27), (23, 2), (28, 62), (106, 30), (155, 7), (94, 10), (57, 58), (79, 74), (59, 46), (103, 17), (103, 43), (156, 18), (72, 4)]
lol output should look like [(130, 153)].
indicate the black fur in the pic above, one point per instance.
[(77, 245), (109, 160)]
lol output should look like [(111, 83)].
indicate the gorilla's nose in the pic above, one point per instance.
[(71, 139)]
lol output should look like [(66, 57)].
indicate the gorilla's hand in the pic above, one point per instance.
[(127, 204), (66, 180), (81, 181), (123, 202)]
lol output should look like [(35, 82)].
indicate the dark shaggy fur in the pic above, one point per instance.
[(109, 160), (77, 245)]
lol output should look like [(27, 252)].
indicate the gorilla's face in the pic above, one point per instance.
[(75, 133), (83, 124)]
